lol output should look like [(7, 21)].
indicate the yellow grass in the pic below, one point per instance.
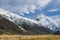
[(29, 37)]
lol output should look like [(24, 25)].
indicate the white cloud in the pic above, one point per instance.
[(53, 10), (23, 6), (43, 2)]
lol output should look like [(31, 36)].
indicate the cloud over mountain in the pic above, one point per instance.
[(23, 6)]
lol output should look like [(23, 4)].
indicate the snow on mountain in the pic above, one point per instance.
[(16, 18), (35, 25), (47, 22), (56, 19), (13, 17), (25, 24)]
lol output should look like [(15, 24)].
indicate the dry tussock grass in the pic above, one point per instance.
[(29, 37)]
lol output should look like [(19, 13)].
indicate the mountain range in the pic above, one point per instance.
[(11, 23)]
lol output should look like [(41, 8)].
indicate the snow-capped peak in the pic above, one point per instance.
[(47, 22)]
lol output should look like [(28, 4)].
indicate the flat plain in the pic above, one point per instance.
[(29, 37)]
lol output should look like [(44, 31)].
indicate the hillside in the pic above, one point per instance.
[(8, 27)]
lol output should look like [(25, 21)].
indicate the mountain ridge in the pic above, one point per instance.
[(27, 25)]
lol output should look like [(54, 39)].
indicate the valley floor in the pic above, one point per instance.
[(29, 37)]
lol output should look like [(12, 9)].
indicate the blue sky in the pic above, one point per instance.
[(31, 8)]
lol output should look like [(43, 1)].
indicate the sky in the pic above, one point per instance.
[(31, 8)]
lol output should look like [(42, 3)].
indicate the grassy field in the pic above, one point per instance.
[(29, 37)]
